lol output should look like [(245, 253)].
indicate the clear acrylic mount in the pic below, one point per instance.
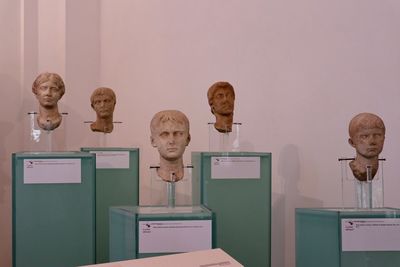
[(357, 194)]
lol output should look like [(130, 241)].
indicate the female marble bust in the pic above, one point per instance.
[(48, 89), (367, 136), (170, 135)]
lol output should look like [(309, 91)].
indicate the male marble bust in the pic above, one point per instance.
[(48, 89), (367, 136), (103, 102), (221, 98), (170, 135)]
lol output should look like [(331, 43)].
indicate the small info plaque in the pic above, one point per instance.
[(235, 167), (112, 159), (371, 234), (174, 236), (52, 171)]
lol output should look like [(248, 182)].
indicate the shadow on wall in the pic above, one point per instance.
[(283, 209)]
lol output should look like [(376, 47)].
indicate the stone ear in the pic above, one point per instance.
[(152, 141), (188, 140), (351, 142)]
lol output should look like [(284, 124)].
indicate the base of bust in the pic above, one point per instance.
[(360, 170)]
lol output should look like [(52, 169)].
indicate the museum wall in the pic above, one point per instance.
[(301, 70), (10, 129)]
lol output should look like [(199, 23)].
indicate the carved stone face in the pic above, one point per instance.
[(104, 105), (223, 101), (368, 142), (171, 139), (367, 135), (48, 94)]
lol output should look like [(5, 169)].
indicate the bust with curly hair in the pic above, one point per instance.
[(48, 89)]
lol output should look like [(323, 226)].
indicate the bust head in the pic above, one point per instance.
[(103, 102), (48, 89), (367, 136), (170, 135), (221, 98)]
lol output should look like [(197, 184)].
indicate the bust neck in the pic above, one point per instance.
[(105, 125), (223, 123), (171, 170), (359, 167), (49, 118)]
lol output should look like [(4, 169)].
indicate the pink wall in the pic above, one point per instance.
[(301, 70), (11, 94)]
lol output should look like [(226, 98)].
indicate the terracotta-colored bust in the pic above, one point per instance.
[(367, 135), (48, 88), (221, 98), (103, 101), (170, 135)]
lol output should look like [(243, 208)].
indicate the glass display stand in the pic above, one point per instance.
[(361, 194), (184, 192), (42, 140), (117, 183), (53, 209), (224, 141), (146, 231), (346, 237), (175, 221), (236, 186)]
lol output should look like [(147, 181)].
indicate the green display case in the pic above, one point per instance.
[(236, 186), (145, 231), (333, 237), (53, 209), (117, 184)]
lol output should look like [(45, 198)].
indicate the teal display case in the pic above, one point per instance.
[(53, 209), (333, 237), (117, 184), (236, 186), (145, 231)]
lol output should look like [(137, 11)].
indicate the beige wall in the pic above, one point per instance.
[(301, 70)]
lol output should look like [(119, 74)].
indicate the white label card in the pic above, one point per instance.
[(52, 171), (174, 236), (367, 234), (112, 159), (235, 167)]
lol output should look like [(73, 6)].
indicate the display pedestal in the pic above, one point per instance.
[(347, 237), (185, 191), (361, 194), (117, 184), (43, 140), (236, 186), (226, 142), (139, 232), (53, 209)]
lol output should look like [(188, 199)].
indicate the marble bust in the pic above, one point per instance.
[(221, 98), (170, 135), (367, 136), (48, 89), (103, 102)]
